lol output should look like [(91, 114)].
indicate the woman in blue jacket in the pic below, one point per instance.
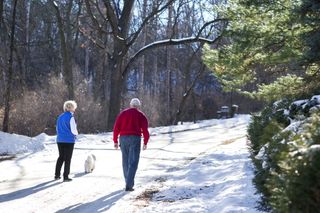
[(66, 135)]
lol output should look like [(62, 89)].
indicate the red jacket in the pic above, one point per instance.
[(131, 122)]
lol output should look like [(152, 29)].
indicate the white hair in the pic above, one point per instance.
[(69, 105), (135, 102)]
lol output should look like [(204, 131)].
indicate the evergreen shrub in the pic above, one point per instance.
[(286, 159)]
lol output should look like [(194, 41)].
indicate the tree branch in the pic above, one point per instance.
[(155, 11), (100, 12), (93, 18), (175, 22), (167, 42), (209, 23), (94, 41), (77, 26), (112, 17), (124, 20), (187, 93)]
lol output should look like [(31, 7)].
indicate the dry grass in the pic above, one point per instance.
[(226, 142), (144, 198), (147, 194), (36, 111)]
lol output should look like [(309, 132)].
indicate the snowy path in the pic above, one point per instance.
[(201, 170)]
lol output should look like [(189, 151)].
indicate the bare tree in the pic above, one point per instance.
[(188, 91), (119, 20), (5, 125)]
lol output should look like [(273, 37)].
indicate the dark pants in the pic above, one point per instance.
[(130, 148), (65, 155)]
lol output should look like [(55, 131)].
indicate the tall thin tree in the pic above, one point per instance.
[(1, 10), (169, 65), (7, 95), (66, 45)]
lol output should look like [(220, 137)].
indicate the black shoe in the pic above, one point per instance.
[(57, 177), (67, 179), (129, 189)]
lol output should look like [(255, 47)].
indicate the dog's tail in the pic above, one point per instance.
[(93, 156)]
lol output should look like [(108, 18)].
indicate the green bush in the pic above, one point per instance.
[(300, 171), (265, 138), (256, 128), (288, 173)]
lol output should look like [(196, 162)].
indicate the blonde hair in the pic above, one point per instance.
[(69, 105)]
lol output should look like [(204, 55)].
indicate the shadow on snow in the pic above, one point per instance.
[(28, 191), (100, 205)]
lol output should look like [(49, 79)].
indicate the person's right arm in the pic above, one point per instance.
[(116, 131)]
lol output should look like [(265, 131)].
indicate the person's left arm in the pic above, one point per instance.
[(73, 126), (116, 131), (145, 132)]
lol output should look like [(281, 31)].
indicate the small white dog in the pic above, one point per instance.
[(90, 163)]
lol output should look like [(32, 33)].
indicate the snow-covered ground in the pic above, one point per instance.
[(11, 144), (202, 167)]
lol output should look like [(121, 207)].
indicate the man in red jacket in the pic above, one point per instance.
[(129, 125)]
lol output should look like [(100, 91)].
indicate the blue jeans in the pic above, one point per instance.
[(130, 148)]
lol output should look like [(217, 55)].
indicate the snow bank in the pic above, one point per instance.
[(11, 144)]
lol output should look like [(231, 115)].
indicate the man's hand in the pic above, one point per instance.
[(116, 145), (144, 146)]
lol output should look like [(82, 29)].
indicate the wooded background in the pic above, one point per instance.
[(102, 53)]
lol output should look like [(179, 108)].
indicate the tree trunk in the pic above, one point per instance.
[(86, 61), (27, 58), (187, 93), (143, 61), (194, 108), (155, 53), (116, 86), (65, 50), (1, 11), (117, 81), (120, 47), (7, 97), (169, 68)]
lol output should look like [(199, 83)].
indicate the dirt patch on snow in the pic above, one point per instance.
[(6, 157), (226, 142)]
